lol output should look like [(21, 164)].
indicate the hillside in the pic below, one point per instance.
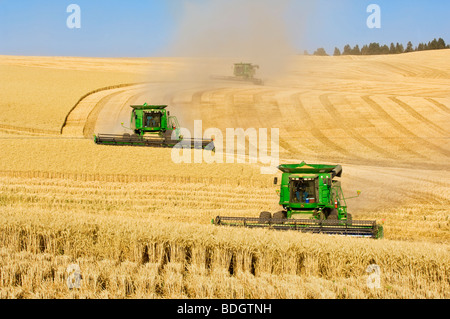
[(139, 225)]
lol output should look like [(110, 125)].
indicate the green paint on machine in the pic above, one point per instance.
[(312, 201)]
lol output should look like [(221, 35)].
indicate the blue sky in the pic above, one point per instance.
[(336, 23), (140, 28)]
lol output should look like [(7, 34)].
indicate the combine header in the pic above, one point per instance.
[(312, 201), (244, 72), (152, 126)]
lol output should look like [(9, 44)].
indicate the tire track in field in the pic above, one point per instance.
[(418, 179), (236, 111), (438, 104), (418, 116), (288, 114), (235, 108), (107, 120), (253, 109), (404, 194), (91, 122), (72, 116), (217, 115), (283, 143), (400, 128), (224, 112), (131, 100), (197, 108), (288, 111), (18, 130), (317, 133), (168, 94), (397, 68), (334, 113), (77, 119), (402, 146), (270, 113), (267, 121), (398, 185), (411, 184)]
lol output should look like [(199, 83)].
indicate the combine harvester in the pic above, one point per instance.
[(313, 202), (153, 126), (244, 72)]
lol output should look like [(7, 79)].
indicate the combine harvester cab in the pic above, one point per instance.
[(152, 126), (243, 72), (312, 201)]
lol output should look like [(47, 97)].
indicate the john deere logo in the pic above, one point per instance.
[(302, 205)]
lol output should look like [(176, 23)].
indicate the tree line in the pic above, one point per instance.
[(377, 49)]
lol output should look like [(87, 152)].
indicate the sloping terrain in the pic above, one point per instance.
[(138, 224)]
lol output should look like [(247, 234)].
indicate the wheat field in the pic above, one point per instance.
[(139, 225)]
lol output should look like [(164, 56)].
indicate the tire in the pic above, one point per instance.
[(333, 217), (333, 214), (349, 219), (280, 215), (322, 215), (168, 135), (264, 217)]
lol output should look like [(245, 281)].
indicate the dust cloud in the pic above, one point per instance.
[(217, 33), (212, 35)]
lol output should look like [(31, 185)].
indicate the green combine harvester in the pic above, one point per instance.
[(242, 72), (312, 201), (152, 126)]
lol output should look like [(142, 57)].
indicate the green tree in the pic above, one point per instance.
[(384, 49), (365, 50), (337, 52), (347, 50), (420, 47), (392, 48), (441, 43), (433, 44), (409, 47), (374, 48), (320, 52), (399, 48), (356, 50)]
